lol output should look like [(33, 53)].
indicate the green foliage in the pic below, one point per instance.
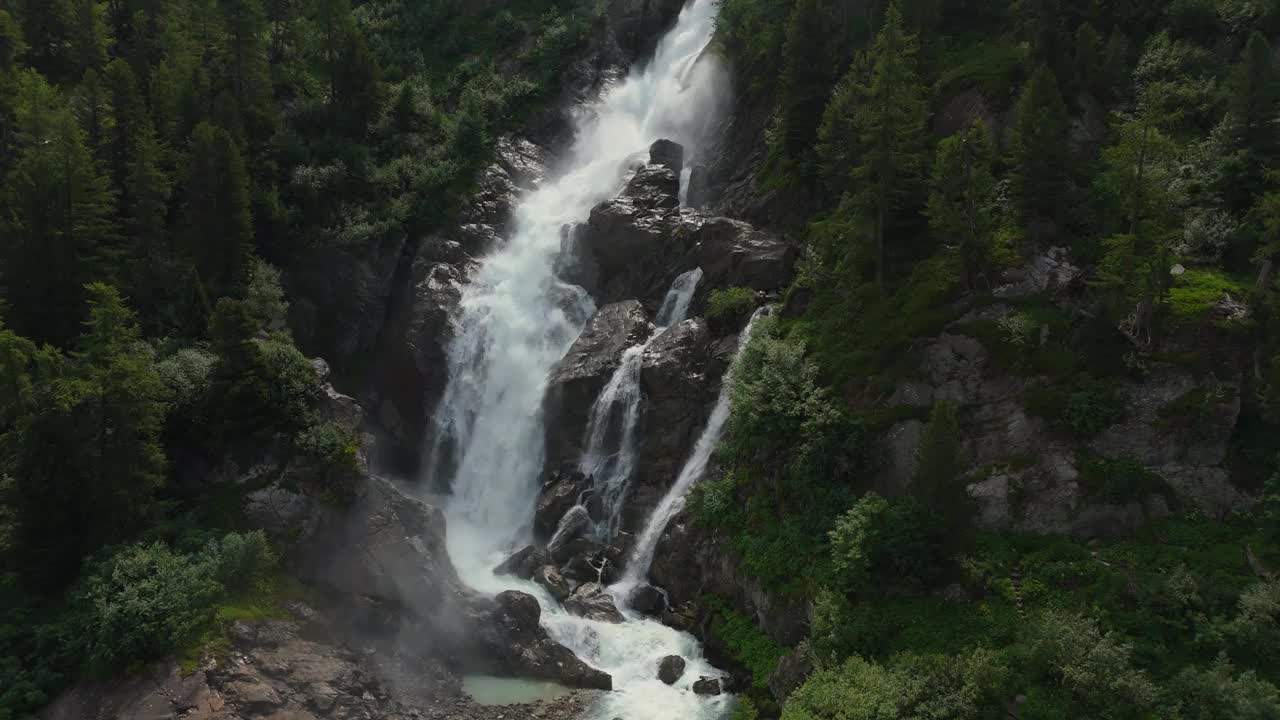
[(1083, 407), (748, 645), (1038, 149), (1195, 293), (961, 208), (880, 542), (875, 123), (712, 500), (730, 303), (908, 686)]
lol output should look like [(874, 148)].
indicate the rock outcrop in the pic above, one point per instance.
[(561, 491), (670, 668), (591, 600), (637, 24), (578, 378), (518, 645), (680, 384)]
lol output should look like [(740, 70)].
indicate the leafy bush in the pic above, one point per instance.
[(730, 303), (1196, 292), (712, 501), (1096, 667), (748, 645), (880, 542), (293, 387), (147, 600)]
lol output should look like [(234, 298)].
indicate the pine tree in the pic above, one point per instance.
[(240, 393), (805, 80), (58, 224), (1139, 180), (90, 457), (357, 83), (218, 226), (884, 133), (11, 46), (1039, 151), (1253, 124), (960, 204), (249, 78), (1089, 71), (128, 121)]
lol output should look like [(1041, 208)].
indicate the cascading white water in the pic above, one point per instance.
[(516, 320), (615, 416), (673, 502)]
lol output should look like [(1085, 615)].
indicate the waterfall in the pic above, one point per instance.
[(516, 319), (615, 416), (673, 502)]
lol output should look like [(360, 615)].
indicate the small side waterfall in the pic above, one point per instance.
[(673, 502), (612, 434)]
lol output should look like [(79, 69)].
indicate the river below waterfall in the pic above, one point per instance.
[(516, 320)]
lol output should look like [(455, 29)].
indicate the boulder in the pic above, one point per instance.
[(518, 645), (1049, 272), (680, 386), (670, 668), (648, 599), (593, 602), (555, 584), (521, 563), (559, 493), (589, 562), (653, 187), (669, 155), (578, 378), (385, 555), (572, 526), (732, 253), (707, 686), (637, 24)]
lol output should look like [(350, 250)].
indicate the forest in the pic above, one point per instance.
[(160, 162), (176, 175), (1138, 139)]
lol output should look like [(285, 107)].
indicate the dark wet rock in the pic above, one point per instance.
[(669, 155), (578, 378), (521, 563), (589, 562), (637, 24), (733, 253), (518, 645), (698, 194), (707, 686), (591, 600), (559, 493), (648, 599), (575, 263), (652, 188), (793, 669), (555, 584), (670, 668), (680, 387), (571, 527)]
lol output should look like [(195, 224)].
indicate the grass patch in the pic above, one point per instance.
[(992, 66), (266, 602), (1196, 292)]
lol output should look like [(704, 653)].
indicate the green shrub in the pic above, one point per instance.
[(1195, 292), (879, 542), (712, 501), (745, 641), (292, 385), (146, 600), (730, 303), (1122, 480)]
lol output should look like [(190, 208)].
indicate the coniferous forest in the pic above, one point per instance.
[(178, 177)]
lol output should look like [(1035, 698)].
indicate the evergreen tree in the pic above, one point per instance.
[(960, 204), (1089, 71), (357, 84), (218, 226), (11, 46), (937, 483), (240, 394), (1253, 123), (1139, 182), (89, 457), (128, 123), (58, 220), (150, 267), (1115, 62), (884, 133), (248, 76), (1040, 156), (805, 80)]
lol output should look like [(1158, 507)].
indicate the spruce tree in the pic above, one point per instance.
[(885, 133), (805, 79), (218, 224), (1253, 123), (58, 220), (960, 205), (1040, 156), (248, 76)]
